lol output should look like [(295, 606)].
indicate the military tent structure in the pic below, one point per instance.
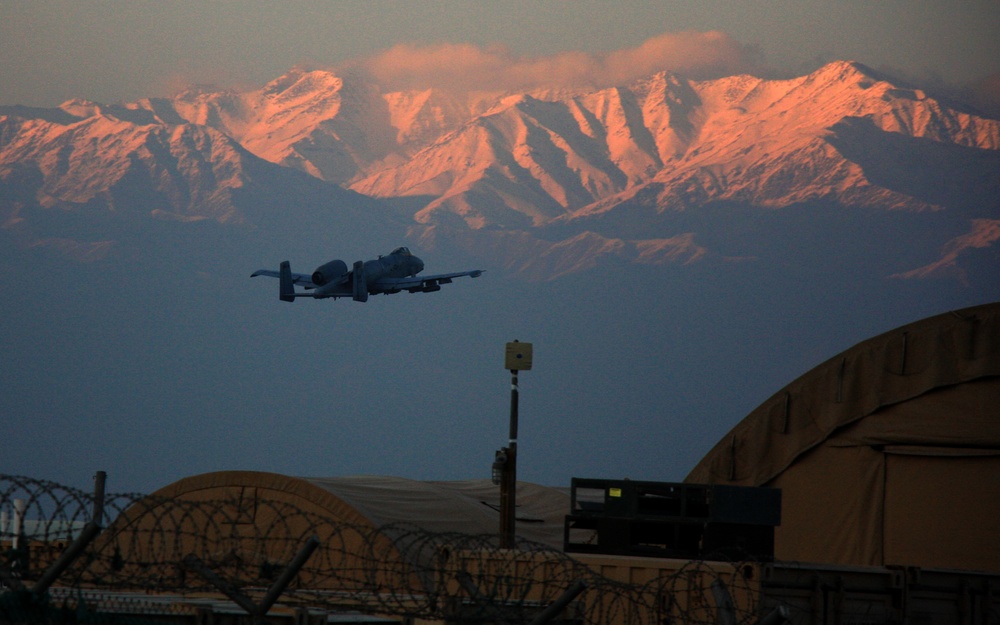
[(887, 454), (370, 532), (439, 507)]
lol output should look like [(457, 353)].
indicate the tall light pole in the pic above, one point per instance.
[(517, 358)]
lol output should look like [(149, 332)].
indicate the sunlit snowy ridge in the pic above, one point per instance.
[(572, 159)]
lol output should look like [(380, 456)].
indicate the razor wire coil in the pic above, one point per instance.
[(151, 544)]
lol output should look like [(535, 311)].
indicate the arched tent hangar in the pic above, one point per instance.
[(373, 532), (888, 454)]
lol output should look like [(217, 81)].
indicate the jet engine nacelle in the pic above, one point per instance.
[(329, 272)]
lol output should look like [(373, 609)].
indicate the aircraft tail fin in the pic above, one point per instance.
[(286, 289)]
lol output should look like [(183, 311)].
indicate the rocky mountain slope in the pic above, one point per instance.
[(630, 172)]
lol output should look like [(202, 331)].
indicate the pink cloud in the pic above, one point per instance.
[(466, 66), (690, 53)]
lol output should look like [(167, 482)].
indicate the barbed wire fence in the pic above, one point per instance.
[(58, 537)]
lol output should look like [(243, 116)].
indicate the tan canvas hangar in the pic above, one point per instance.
[(887, 454)]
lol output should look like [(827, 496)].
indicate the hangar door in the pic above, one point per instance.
[(942, 507)]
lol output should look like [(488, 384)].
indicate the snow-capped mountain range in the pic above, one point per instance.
[(622, 171)]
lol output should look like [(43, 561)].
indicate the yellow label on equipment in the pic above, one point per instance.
[(614, 492)]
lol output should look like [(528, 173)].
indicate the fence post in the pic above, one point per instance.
[(286, 576), (256, 610), (559, 604), (89, 533), (98, 513), (194, 563)]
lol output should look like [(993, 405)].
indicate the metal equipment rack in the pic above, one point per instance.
[(675, 520)]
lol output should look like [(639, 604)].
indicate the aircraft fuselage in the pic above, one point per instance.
[(392, 273), (391, 266)]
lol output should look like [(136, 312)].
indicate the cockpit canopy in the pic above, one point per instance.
[(402, 251)]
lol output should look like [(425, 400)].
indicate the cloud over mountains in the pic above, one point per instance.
[(495, 68)]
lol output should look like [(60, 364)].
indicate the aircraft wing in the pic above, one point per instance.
[(422, 283), (302, 279)]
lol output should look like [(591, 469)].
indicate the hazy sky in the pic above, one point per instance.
[(53, 50)]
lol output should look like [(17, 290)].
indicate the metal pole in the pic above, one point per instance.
[(559, 604), (725, 609), (778, 616), (98, 515), (18, 530), (257, 610), (19, 543), (293, 568), (194, 563), (488, 606), (89, 533), (508, 487)]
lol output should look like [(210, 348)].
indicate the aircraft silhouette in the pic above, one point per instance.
[(392, 273)]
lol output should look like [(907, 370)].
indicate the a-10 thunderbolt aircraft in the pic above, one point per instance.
[(387, 274)]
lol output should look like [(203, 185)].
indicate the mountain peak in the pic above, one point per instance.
[(299, 82), (79, 107), (848, 72)]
